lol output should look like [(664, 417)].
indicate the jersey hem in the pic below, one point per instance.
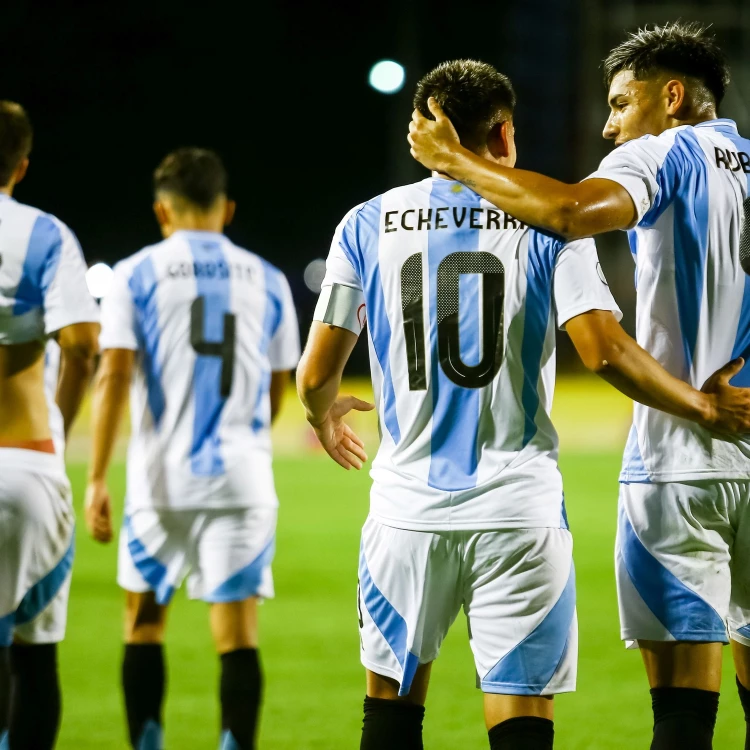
[(496, 525), (664, 477), (708, 636)]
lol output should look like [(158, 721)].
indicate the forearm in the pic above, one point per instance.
[(108, 405), (75, 375), (318, 398), (634, 372)]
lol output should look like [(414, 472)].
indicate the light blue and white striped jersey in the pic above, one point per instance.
[(693, 312), (461, 302), (210, 322), (42, 288)]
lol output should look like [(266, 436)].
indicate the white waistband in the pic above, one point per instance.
[(50, 464)]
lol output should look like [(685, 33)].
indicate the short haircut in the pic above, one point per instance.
[(682, 48), (196, 175), (15, 139), (474, 95)]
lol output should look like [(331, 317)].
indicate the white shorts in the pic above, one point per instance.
[(683, 561), (37, 526), (225, 554), (516, 586)]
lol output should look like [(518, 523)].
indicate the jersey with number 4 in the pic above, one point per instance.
[(210, 322), (690, 189), (461, 303)]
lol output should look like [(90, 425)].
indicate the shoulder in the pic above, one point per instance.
[(127, 267)]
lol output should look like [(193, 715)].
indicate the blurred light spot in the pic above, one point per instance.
[(387, 76), (99, 279), (314, 274)]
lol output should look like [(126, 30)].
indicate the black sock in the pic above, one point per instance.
[(745, 700), (35, 697), (684, 718), (391, 725), (240, 692), (4, 690), (523, 733), (143, 681)]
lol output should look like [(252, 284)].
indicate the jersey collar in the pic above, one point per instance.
[(198, 234), (722, 123), (5, 197)]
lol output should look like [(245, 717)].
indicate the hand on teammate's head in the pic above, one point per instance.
[(432, 140)]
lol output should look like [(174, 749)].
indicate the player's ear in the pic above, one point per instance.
[(21, 170), (675, 94), (229, 210), (499, 140)]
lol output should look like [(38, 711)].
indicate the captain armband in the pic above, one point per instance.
[(341, 306)]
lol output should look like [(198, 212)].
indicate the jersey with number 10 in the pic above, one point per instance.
[(461, 302), (210, 322)]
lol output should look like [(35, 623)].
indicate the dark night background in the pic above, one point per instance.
[(280, 90)]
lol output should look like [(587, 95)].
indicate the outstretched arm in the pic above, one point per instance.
[(570, 211), (318, 380), (608, 351)]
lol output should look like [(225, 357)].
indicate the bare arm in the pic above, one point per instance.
[(318, 380), (79, 345), (608, 351), (570, 211), (279, 382), (108, 405)]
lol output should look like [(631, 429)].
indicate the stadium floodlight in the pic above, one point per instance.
[(314, 274), (99, 279), (387, 76)]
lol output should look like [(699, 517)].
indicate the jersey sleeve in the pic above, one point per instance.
[(118, 314), (342, 300), (67, 299), (636, 165), (579, 283), (284, 349)]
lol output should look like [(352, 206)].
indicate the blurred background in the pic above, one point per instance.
[(309, 103), (287, 93)]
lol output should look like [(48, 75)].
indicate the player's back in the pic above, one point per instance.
[(693, 312), (42, 290), (205, 317), (461, 321)]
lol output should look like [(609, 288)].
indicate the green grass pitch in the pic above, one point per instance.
[(309, 640)]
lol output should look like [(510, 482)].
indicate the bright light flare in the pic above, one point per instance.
[(314, 274), (99, 279), (387, 76)]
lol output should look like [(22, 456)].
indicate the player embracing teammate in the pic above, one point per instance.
[(678, 181), (467, 506)]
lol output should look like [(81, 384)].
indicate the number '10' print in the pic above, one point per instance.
[(492, 279)]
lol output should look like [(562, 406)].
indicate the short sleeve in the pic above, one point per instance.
[(635, 165), (67, 299), (284, 349), (579, 283), (118, 314), (342, 301)]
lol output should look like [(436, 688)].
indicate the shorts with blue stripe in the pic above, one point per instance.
[(516, 587), (683, 561)]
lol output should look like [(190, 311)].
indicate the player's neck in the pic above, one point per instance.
[(7, 190), (197, 223)]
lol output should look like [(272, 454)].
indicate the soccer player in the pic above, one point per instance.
[(43, 296), (679, 183), (467, 501), (204, 333)]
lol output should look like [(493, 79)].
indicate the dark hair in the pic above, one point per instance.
[(473, 94), (675, 47), (15, 139), (196, 175)]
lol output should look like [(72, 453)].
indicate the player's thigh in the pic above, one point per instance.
[(386, 688), (520, 600), (739, 608), (682, 664), (408, 597), (153, 555), (37, 527)]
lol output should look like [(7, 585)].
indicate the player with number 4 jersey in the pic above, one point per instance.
[(466, 509), (207, 333)]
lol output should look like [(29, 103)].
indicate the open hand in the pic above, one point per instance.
[(432, 141), (98, 511), (730, 406), (341, 443)]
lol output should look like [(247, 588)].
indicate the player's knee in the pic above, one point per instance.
[(145, 619), (234, 625)]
